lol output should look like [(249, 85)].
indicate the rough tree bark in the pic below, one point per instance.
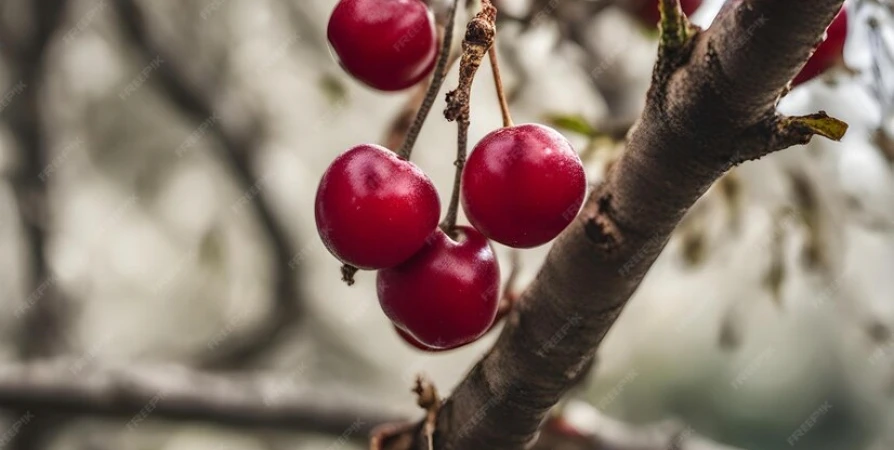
[(711, 106)]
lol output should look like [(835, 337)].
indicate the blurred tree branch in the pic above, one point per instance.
[(610, 434), (44, 314), (236, 147), (139, 393)]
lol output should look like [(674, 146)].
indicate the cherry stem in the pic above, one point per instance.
[(478, 39), (462, 142), (498, 82), (436, 82)]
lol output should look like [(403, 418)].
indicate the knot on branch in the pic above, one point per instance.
[(482, 28), (600, 228), (426, 393)]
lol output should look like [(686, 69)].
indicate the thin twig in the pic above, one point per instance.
[(448, 225), (401, 123), (235, 150), (427, 398), (437, 81), (498, 83), (559, 434), (478, 39)]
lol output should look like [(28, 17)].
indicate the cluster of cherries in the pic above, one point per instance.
[(521, 186), (827, 55)]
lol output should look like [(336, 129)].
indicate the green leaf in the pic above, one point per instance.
[(820, 124), (572, 122)]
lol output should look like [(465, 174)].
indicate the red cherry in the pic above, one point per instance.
[(373, 209), (447, 294), (388, 44), (829, 52), (646, 11), (523, 185)]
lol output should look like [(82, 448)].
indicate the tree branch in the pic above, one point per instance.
[(236, 149), (167, 392), (176, 393), (709, 90), (44, 316)]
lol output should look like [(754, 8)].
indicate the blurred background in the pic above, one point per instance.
[(160, 161)]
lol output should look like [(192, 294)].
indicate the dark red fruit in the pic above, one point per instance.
[(447, 294), (373, 209), (387, 44), (523, 185), (829, 52), (646, 11)]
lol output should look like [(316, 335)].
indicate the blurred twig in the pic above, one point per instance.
[(43, 315), (236, 148), (400, 125), (612, 434), (298, 16), (137, 393)]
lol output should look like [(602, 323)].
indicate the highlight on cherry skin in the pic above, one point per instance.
[(387, 44), (829, 53), (447, 295), (374, 210), (523, 185), (413, 342)]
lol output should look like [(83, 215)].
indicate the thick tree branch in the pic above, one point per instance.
[(236, 149), (709, 90), (136, 393)]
